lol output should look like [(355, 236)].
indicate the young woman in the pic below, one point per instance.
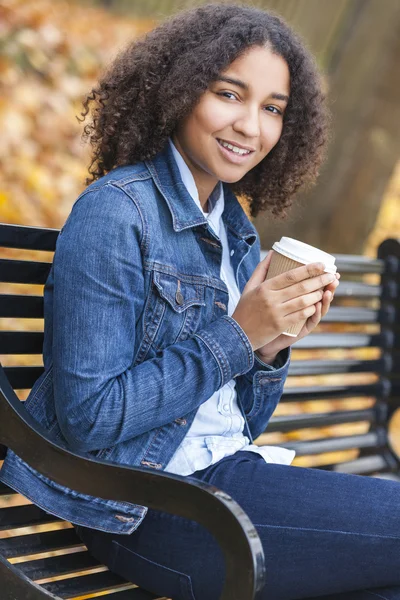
[(163, 341)]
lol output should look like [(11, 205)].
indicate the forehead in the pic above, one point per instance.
[(262, 70)]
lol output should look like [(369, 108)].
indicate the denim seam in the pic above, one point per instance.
[(371, 535), (137, 519), (243, 337), (212, 352), (156, 564), (141, 176), (148, 304), (198, 300), (54, 485), (144, 243), (151, 442), (243, 235), (219, 354), (201, 280)]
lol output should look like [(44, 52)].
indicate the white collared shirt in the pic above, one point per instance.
[(217, 429)]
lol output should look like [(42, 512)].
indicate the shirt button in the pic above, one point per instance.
[(226, 407), (232, 252)]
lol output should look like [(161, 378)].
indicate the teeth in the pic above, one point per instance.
[(234, 148)]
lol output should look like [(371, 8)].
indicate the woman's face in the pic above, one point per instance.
[(243, 108)]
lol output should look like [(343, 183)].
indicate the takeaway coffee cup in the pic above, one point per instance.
[(289, 254)]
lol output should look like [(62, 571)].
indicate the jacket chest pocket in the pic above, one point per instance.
[(173, 310)]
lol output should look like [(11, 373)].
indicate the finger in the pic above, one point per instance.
[(316, 317), (331, 287), (296, 275), (302, 302), (306, 286), (300, 315), (259, 273), (326, 302)]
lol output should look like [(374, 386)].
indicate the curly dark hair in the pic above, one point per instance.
[(156, 80)]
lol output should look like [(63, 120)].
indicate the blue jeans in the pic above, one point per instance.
[(324, 534)]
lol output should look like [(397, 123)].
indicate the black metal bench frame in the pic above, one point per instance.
[(245, 570)]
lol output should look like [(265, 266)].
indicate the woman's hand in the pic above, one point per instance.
[(269, 352), (268, 307)]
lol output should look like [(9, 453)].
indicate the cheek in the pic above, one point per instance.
[(271, 135), (213, 117)]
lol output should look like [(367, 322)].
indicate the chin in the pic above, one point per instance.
[(232, 178)]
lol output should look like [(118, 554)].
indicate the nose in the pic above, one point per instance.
[(248, 123)]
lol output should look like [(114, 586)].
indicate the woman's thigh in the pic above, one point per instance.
[(323, 533)]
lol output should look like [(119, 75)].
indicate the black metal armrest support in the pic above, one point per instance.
[(209, 506)]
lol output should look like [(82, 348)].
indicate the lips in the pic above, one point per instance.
[(237, 145), (233, 157)]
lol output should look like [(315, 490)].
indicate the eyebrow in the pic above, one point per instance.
[(244, 86)]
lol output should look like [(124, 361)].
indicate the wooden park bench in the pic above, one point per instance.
[(25, 569)]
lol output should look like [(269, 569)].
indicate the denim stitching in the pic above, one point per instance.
[(144, 242), (77, 521), (243, 337), (212, 352), (394, 537), (219, 354)]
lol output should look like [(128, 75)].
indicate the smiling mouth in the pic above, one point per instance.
[(237, 150)]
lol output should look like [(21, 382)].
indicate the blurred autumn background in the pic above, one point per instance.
[(52, 52)]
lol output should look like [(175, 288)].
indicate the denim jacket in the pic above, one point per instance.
[(137, 335)]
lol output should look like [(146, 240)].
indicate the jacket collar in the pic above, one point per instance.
[(184, 212)]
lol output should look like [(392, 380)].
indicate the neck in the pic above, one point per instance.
[(205, 183)]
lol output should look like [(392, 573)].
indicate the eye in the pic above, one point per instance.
[(226, 94), (278, 112)]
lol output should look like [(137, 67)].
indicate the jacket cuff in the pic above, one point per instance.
[(279, 367), (230, 347)]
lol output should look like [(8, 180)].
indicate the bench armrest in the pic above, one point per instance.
[(204, 503)]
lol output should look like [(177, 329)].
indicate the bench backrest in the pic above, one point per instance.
[(353, 357)]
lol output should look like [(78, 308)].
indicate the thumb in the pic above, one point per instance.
[(259, 273)]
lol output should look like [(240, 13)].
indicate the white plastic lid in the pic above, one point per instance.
[(303, 253)]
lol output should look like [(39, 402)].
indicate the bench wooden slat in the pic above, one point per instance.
[(76, 586), (286, 423), (357, 289), (365, 465), (20, 306), (335, 444), (24, 271), (315, 341), (54, 566), (36, 543), (328, 392), (136, 594), (23, 378), (351, 263), (330, 367), (358, 314), (24, 516), (26, 237), (5, 490), (21, 342)]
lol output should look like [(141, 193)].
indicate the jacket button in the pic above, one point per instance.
[(179, 298)]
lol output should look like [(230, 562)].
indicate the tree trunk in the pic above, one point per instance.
[(339, 212)]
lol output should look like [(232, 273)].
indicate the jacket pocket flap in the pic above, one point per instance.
[(180, 294)]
